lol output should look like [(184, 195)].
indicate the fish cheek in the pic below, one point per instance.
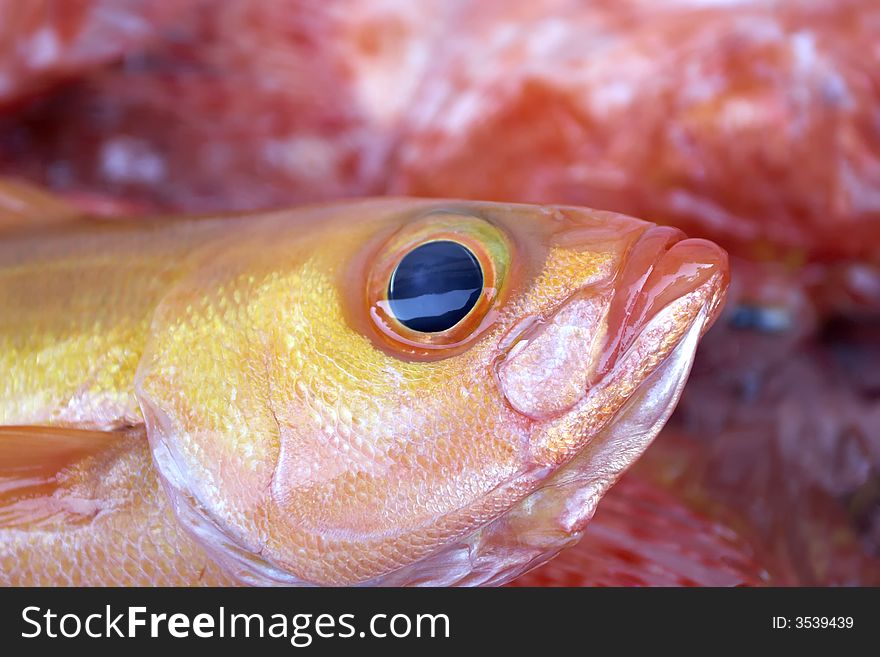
[(382, 461), (212, 433)]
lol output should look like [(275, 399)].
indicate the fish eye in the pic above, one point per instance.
[(435, 286)]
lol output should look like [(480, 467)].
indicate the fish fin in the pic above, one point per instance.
[(25, 204), (50, 475)]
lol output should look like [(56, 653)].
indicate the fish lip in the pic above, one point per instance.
[(648, 281), (639, 306)]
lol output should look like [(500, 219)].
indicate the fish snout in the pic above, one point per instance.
[(665, 284)]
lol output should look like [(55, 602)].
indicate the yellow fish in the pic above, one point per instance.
[(388, 391)]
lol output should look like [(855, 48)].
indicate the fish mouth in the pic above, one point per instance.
[(613, 330)]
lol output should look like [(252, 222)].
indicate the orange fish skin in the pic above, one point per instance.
[(302, 435)]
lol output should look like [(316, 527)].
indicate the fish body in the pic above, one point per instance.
[(299, 431)]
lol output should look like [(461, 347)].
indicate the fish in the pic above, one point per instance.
[(643, 534), (383, 391)]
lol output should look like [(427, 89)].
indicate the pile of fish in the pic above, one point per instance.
[(753, 123)]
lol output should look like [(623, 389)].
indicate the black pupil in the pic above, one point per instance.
[(435, 286)]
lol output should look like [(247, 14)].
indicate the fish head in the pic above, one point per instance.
[(316, 419)]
